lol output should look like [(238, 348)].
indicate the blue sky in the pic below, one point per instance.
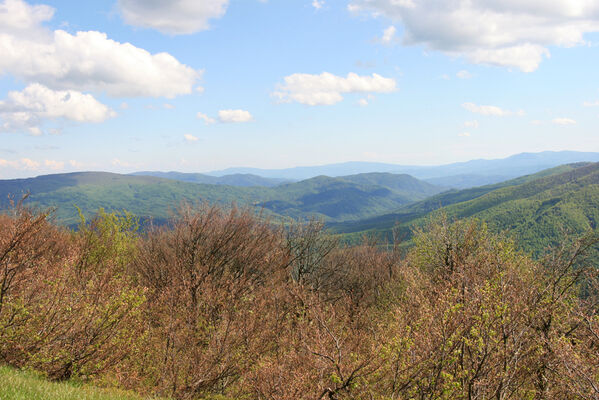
[(281, 83)]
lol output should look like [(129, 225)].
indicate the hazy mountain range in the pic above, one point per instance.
[(457, 175)]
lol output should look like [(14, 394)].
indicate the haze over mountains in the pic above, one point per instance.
[(457, 175)]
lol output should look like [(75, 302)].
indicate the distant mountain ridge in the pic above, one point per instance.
[(332, 199), (457, 175), (242, 180)]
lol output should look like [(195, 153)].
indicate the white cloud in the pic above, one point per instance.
[(464, 134), (563, 121), (54, 165), (234, 116), (124, 106), (21, 164), (28, 109), (363, 102), (507, 33), (168, 106), (119, 163), (388, 35), (327, 89), (463, 74), (205, 118), (86, 61), (591, 104), (490, 110), (190, 138), (76, 164), (176, 17), (317, 4), (18, 17), (471, 124)]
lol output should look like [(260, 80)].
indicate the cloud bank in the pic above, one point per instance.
[(506, 33)]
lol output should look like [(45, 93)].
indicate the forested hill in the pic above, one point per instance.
[(332, 199), (230, 180), (538, 209)]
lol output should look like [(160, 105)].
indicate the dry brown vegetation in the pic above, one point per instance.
[(222, 305)]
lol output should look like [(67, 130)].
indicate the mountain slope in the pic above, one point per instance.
[(144, 196), (347, 198), (536, 209)]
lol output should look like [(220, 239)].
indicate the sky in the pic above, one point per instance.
[(201, 85)]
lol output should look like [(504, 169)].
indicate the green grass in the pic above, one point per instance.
[(20, 385)]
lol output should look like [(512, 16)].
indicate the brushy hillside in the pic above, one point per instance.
[(332, 199), (21, 385), (221, 305), (537, 209)]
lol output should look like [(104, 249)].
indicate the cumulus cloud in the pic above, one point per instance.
[(591, 104), (327, 89), (234, 116), (190, 138), (563, 121), (205, 118), (175, 17), (389, 35), (28, 109), (86, 61), (471, 124), (18, 17), (490, 110), (317, 4), (464, 134), (463, 74), (507, 33)]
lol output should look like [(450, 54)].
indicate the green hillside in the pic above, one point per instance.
[(332, 199), (144, 196), (537, 209), (347, 198)]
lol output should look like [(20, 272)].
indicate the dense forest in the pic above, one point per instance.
[(223, 304)]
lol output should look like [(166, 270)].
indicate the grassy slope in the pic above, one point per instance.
[(17, 385), (329, 198), (536, 209)]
